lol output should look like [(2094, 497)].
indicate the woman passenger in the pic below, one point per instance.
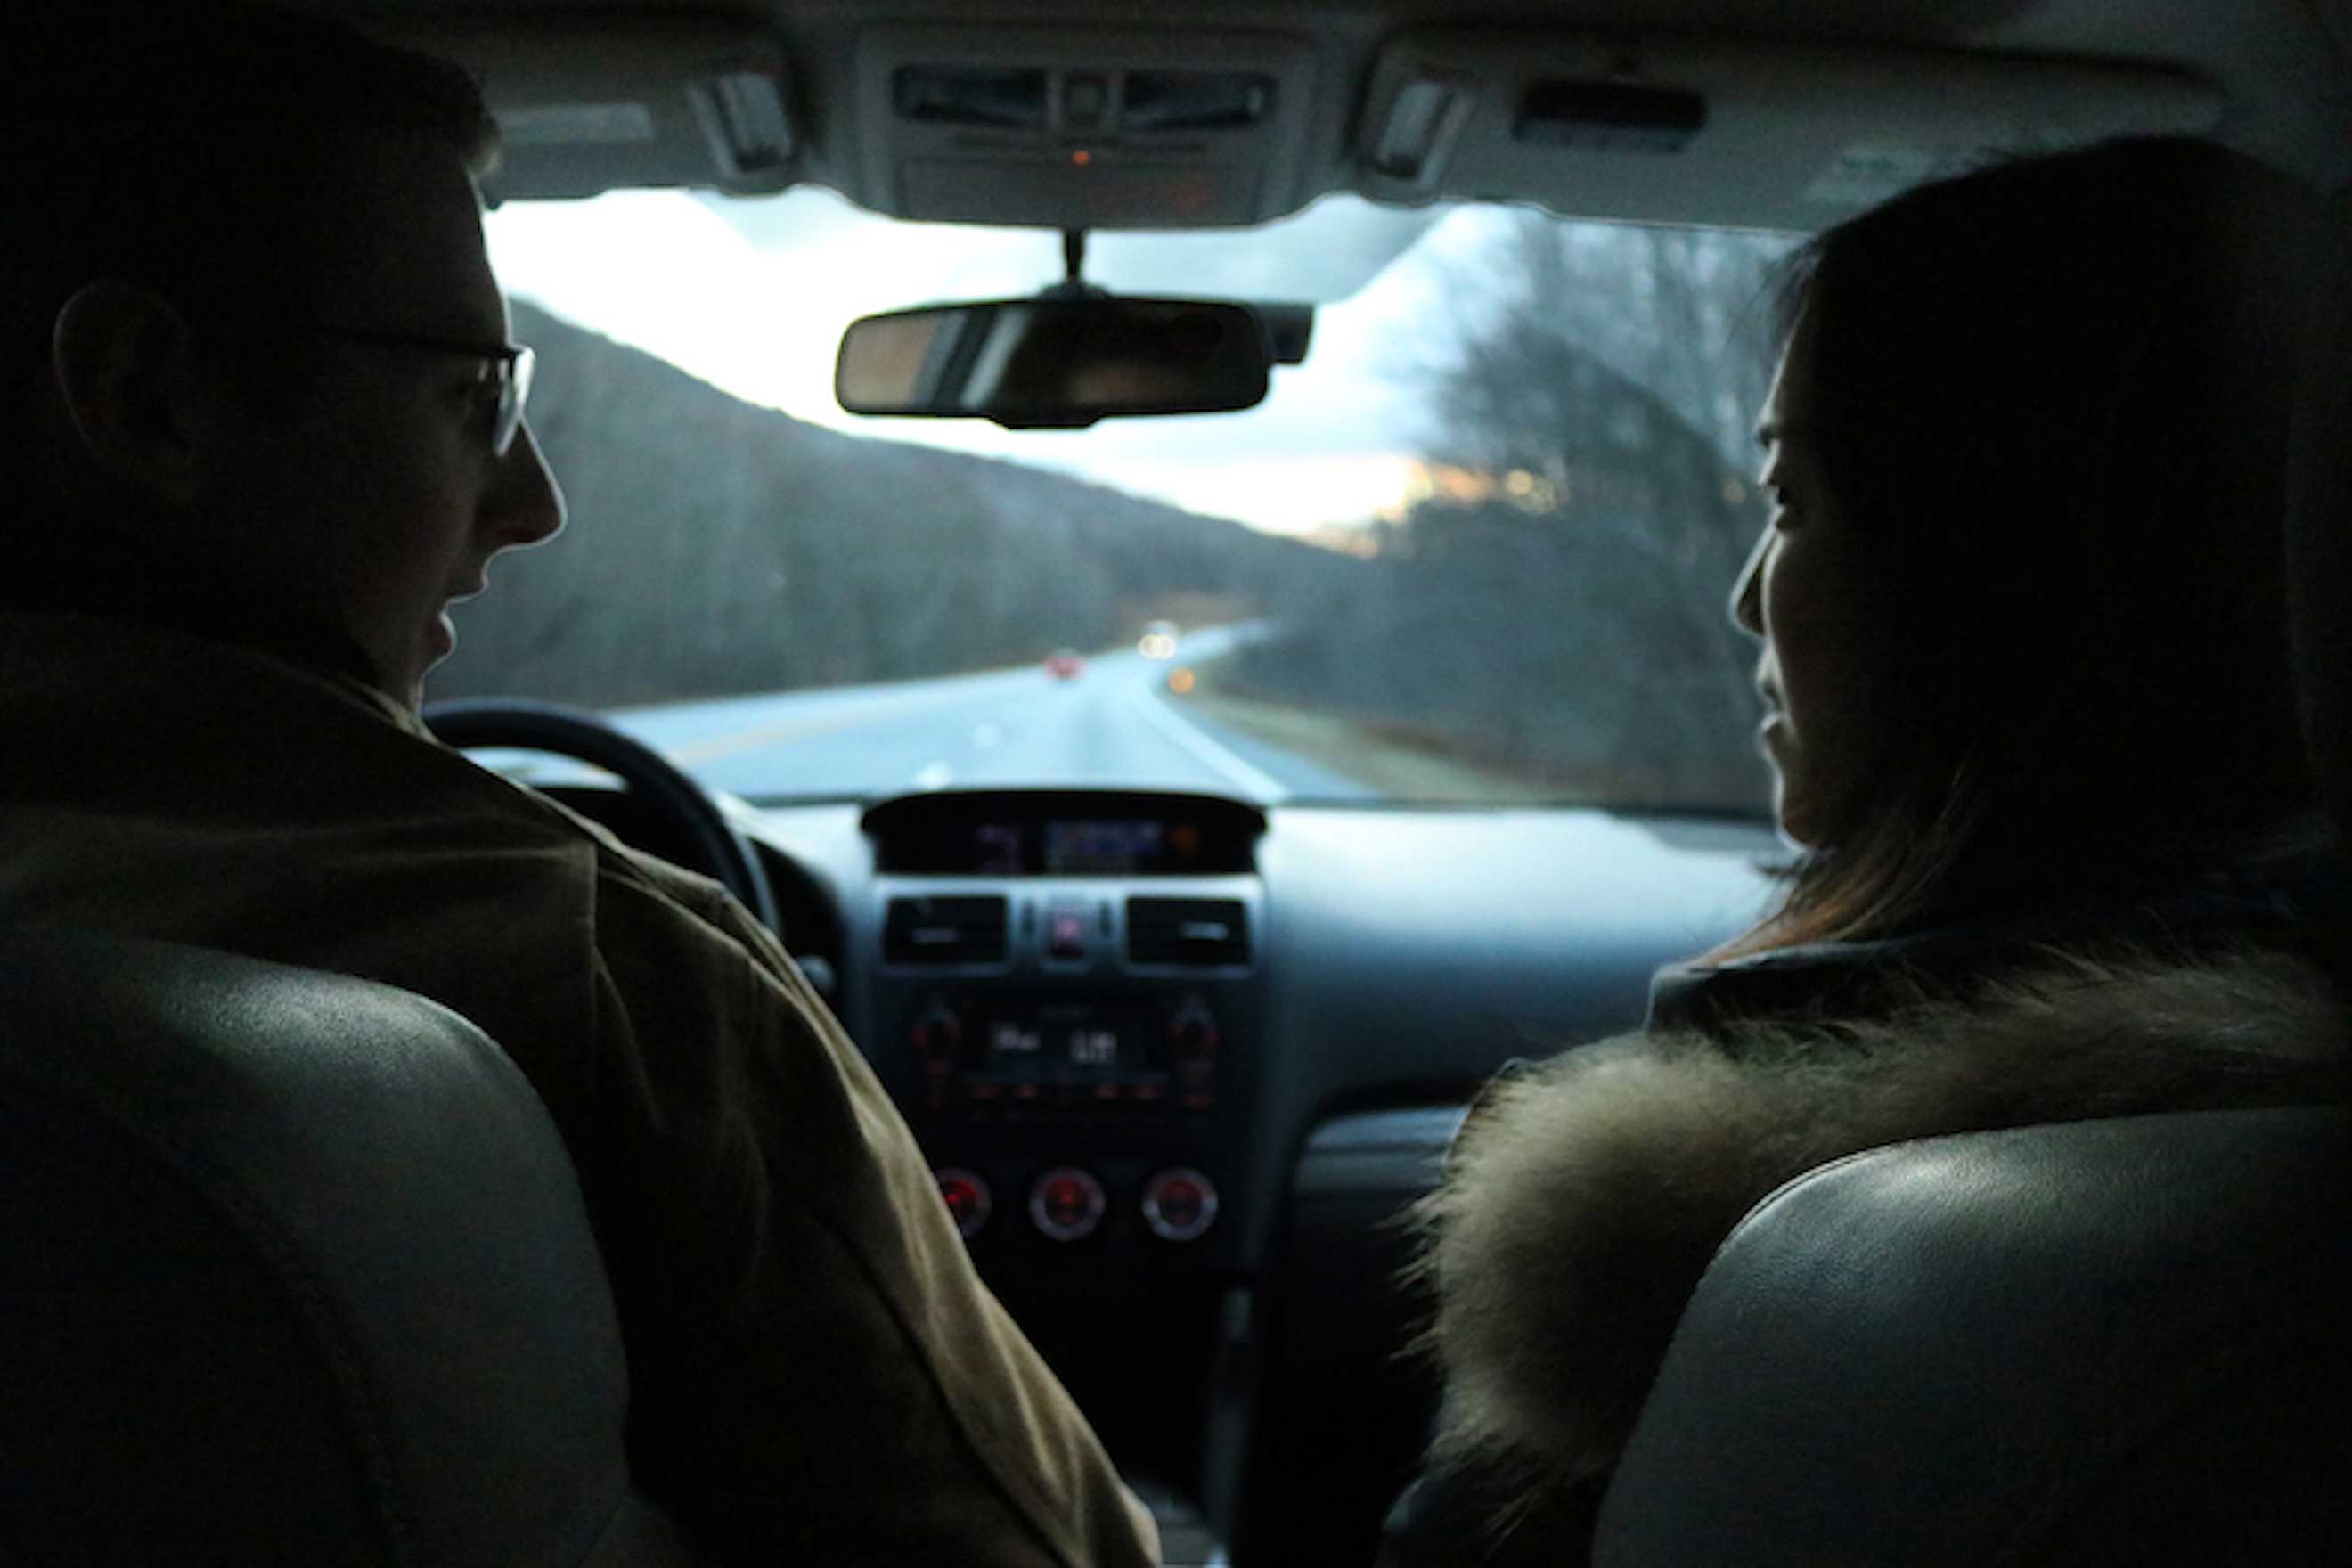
[(2029, 712)]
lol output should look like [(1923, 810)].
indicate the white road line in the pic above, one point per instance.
[(934, 777), (1265, 786)]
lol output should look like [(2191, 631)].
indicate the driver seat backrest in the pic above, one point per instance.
[(2104, 1342), (293, 1270)]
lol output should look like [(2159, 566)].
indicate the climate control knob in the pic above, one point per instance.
[(1179, 1204), (938, 1038), (1067, 1203), (966, 1197), (1193, 1031)]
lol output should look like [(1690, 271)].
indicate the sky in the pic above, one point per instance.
[(753, 297)]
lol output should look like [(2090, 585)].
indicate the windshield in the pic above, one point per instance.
[(1475, 547)]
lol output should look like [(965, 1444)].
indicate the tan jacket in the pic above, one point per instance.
[(818, 1375)]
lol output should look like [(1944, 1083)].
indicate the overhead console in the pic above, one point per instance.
[(1082, 128), (1067, 1002)]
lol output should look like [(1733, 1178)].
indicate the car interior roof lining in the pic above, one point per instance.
[(654, 93)]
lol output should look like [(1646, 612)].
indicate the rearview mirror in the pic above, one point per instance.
[(1059, 364)]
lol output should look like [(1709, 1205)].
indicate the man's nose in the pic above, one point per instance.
[(525, 505), (1747, 595)]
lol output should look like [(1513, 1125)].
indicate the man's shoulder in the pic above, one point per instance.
[(122, 709)]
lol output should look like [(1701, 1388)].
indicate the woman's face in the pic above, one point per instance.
[(1807, 594)]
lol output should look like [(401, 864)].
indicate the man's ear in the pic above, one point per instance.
[(126, 376)]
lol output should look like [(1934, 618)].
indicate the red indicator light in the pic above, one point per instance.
[(1067, 1203), (1082, 158), (1179, 1204), (967, 1200)]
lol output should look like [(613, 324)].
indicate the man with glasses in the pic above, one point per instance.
[(260, 423)]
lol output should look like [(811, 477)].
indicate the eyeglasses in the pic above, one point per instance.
[(503, 381)]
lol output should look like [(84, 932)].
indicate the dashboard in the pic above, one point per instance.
[(1178, 1061)]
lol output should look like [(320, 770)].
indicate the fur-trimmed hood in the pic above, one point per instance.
[(1586, 1194)]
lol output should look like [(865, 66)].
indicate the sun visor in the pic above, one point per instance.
[(1737, 134), (1082, 129), (587, 104)]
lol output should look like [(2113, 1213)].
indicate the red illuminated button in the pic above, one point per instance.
[(967, 1199), (1067, 1203), (1065, 933), (1179, 1204)]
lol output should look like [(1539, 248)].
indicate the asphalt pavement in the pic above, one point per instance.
[(1113, 725)]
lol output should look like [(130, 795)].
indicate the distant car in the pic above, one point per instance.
[(1066, 664), (1158, 641)]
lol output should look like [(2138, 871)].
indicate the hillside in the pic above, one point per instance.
[(717, 547)]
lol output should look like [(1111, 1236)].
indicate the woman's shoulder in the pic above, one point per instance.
[(2299, 906)]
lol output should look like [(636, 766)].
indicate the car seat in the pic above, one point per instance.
[(293, 1270)]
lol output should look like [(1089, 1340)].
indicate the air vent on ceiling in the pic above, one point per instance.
[(1195, 100), (1083, 102), (944, 930), (965, 95), (1209, 931)]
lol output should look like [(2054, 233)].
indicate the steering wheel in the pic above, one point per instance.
[(719, 852)]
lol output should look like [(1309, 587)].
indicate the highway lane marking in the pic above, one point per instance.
[(736, 742), (1264, 785)]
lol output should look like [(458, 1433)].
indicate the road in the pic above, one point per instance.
[(1112, 725)]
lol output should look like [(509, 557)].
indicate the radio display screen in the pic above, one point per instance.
[(1053, 1038), (1049, 834), (1114, 848)]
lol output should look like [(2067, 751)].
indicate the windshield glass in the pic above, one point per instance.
[(1475, 547)]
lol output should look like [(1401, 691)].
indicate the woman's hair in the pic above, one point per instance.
[(2050, 400)]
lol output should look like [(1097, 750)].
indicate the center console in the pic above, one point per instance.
[(1067, 1004)]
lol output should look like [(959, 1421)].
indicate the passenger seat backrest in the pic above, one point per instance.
[(293, 1270), (2112, 1341)]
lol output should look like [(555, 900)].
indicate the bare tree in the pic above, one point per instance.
[(1557, 606)]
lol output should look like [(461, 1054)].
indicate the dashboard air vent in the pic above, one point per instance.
[(944, 930), (1204, 931)]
